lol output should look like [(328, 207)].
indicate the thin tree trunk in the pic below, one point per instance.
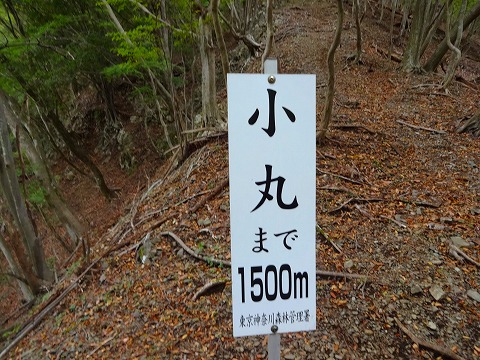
[(37, 157), (16, 270), (411, 60), (356, 15), (209, 87), (16, 204), (455, 48), (471, 125), (327, 113), (270, 33), (436, 58), (81, 155), (220, 39)]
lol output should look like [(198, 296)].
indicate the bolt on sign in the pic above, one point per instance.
[(272, 152)]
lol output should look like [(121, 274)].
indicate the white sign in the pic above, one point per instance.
[(272, 152)]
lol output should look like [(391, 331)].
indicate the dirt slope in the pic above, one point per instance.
[(390, 197)]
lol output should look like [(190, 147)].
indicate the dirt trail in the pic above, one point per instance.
[(426, 187)]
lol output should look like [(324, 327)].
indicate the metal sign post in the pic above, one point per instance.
[(272, 152), (271, 67)]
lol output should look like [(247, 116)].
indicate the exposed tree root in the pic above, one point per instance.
[(471, 125), (209, 288), (437, 348), (210, 196)]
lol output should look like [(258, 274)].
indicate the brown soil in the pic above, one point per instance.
[(427, 184)]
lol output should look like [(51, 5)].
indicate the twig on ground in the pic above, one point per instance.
[(209, 288), (352, 201), (193, 253), (328, 156), (214, 193), (102, 344), (35, 320), (393, 57), (363, 212), (421, 127), (336, 188), (354, 127), (324, 235), (336, 274), (437, 348), (340, 177), (402, 225), (455, 251)]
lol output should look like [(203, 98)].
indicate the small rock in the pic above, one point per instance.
[(368, 332), (415, 289), (204, 222), (70, 175), (437, 261), (473, 294), (289, 357), (103, 277), (475, 211), (459, 242), (433, 226), (437, 292), (348, 264), (432, 326), (446, 220)]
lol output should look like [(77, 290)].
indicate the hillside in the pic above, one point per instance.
[(398, 201)]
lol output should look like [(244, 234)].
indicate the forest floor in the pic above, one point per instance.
[(396, 188)]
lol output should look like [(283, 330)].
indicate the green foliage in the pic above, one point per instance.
[(11, 332), (74, 267)]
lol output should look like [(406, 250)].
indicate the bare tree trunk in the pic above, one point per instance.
[(392, 20), (436, 58), (455, 48), (81, 155), (209, 86), (356, 15), (411, 59), (327, 113), (270, 33), (16, 270), (472, 125), (220, 39), (16, 204), (37, 157)]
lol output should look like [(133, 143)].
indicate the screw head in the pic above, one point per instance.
[(271, 79), (274, 329)]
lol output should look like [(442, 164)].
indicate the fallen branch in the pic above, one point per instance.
[(432, 204), (324, 235), (363, 212), (33, 322), (340, 177), (354, 127), (335, 274), (402, 225), (336, 188), (387, 54), (214, 193), (455, 251), (194, 254), (209, 288), (421, 127), (327, 156), (102, 344), (352, 201), (437, 348)]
